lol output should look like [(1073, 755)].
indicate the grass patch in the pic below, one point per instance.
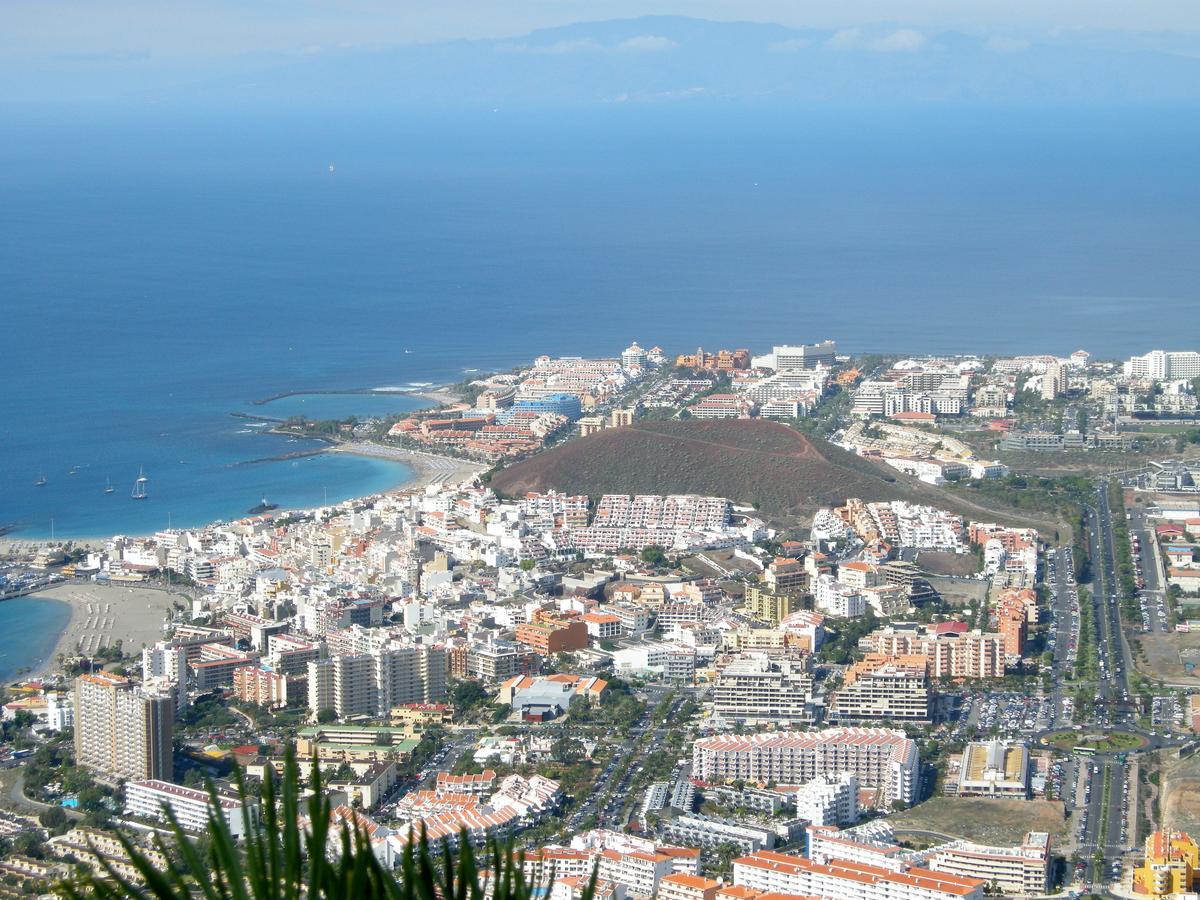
[(1109, 742)]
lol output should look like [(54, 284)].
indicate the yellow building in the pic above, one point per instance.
[(416, 717), (590, 425), (767, 606), (1171, 866)]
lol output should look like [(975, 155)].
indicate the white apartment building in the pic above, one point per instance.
[(883, 688), (373, 683), (682, 886), (1024, 869), (122, 730), (871, 844), (880, 758), (191, 807), (60, 712), (836, 598), (639, 871), (789, 358), (634, 619), (761, 688), (1015, 870), (829, 800), (1164, 365), (686, 511), (708, 833), (672, 660), (166, 659), (781, 873), (922, 527)]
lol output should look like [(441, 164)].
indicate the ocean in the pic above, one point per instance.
[(163, 268), (29, 627)]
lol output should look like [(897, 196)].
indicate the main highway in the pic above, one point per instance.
[(1106, 831)]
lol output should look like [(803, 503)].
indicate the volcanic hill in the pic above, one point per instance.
[(752, 462)]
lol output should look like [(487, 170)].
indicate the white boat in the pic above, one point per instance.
[(139, 486)]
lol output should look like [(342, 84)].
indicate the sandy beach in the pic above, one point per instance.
[(443, 395), (103, 614), (428, 468)]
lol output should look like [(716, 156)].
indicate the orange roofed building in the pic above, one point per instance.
[(773, 872)]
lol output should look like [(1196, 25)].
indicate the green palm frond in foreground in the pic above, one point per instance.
[(293, 855)]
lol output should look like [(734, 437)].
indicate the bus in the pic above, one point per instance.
[(1084, 751)]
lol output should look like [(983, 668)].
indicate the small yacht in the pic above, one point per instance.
[(139, 486)]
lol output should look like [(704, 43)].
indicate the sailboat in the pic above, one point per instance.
[(41, 482), (139, 486), (108, 488)]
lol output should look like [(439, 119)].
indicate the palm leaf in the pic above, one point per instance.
[(288, 856)]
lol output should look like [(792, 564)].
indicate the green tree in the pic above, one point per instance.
[(54, 820), (567, 750), (467, 695), (654, 556)]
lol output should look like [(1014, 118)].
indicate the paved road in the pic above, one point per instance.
[(1109, 833), (610, 800)]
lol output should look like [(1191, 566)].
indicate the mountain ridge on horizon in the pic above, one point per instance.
[(661, 59)]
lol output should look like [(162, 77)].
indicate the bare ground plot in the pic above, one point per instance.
[(1002, 822), (959, 591), (937, 562), (1075, 462), (1160, 657), (1180, 806), (722, 562)]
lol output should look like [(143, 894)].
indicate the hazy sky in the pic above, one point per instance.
[(191, 30)]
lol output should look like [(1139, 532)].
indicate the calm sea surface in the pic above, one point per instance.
[(159, 271), (29, 629)]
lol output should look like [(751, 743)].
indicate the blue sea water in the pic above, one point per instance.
[(29, 627), (161, 268)]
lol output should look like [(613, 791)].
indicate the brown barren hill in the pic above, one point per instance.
[(750, 461)]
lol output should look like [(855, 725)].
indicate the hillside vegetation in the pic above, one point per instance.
[(753, 462)]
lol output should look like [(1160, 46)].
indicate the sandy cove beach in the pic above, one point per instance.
[(103, 614), (445, 395), (428, 468)]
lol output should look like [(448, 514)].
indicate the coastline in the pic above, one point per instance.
[(102, 614), (427, 468)]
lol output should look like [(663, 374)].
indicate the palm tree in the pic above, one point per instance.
[(286, 859)]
